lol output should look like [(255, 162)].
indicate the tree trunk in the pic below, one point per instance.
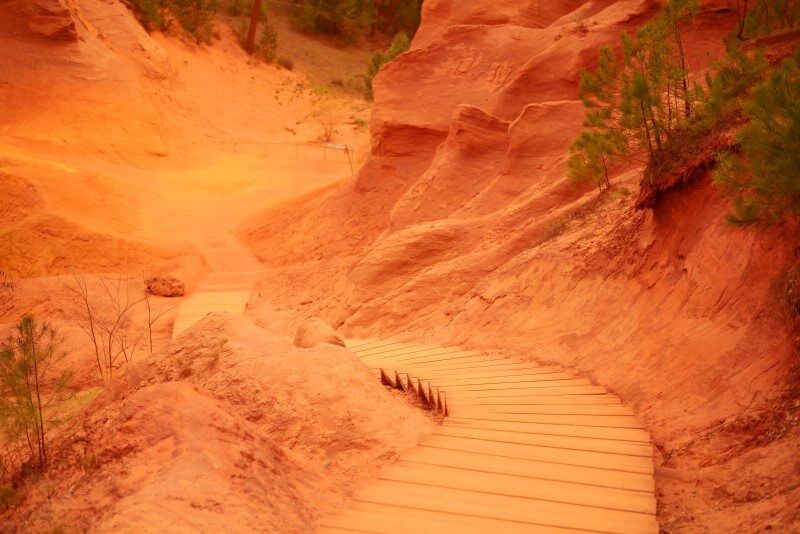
[(687, 105), (741, 13), (251, 34), (647, 131)]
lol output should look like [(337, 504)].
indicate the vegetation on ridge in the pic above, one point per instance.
[(400, 44), (33, 385), (641, 107)]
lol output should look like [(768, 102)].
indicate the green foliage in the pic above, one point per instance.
[(267, 45), (348, 19), (765, 181), (285, 63), (638, 102), (237, 8), (593, 153), (401, 43), (196, 17), (770, 17), (151, 13), (730, 81), (31, 388)]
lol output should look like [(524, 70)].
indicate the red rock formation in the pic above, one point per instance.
[(462, 228)]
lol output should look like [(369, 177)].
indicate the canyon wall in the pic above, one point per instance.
[(462, 228)]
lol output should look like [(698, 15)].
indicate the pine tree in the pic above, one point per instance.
[(196, 17), (31, 387), (765, 181), (730, 81), (639, 102), (771, 17), (400, 44)]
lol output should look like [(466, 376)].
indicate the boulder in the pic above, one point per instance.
[(165, 286), (314, 331)]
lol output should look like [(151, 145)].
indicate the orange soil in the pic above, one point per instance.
[(116, 156), (227, 428), (463, 229)]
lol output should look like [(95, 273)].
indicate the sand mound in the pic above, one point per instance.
[(227, 428)]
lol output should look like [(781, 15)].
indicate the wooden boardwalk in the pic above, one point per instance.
[(219, 292), (524, 449)]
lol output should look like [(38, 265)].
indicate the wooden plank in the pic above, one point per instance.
[(504, 365), (520, 395), (526, 448), (627, 448), (543, 408), (618, 462), (453, 357), (591, 476), (505, 507), (387, 519), (510, 379), (602, 421), (598, 432), (559, 400), (512, 387), (489, 375), (520, 486)]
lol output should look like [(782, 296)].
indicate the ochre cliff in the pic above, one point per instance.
[(462, 228)]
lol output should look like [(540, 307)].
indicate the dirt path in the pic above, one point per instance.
[(525, 449)]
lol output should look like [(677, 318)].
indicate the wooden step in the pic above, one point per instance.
[(492, 506), (592, 476), (598, 432), (628, 448), (520, 486), (388, 519), (525, 451)]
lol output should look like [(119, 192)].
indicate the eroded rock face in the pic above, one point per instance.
[(165, 286), (463, 224), (314, 331), (209, 435)]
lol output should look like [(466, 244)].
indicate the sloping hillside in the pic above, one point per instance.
[(462, 228)]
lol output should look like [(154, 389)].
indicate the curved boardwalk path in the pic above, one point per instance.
[(524, 449)]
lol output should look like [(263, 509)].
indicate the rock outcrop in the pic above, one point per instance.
[(314, 331), (165, 286)]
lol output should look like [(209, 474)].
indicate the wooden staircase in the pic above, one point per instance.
[(219, 292), (522, 449)]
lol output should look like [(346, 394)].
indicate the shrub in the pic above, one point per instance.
[(236, 8), (765, 181), (770, 17), (196, 17), (285, 63), (350, 18), (151, 13), (400, 44), (267, 45)]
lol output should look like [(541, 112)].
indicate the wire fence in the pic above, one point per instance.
[(243, 146)]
